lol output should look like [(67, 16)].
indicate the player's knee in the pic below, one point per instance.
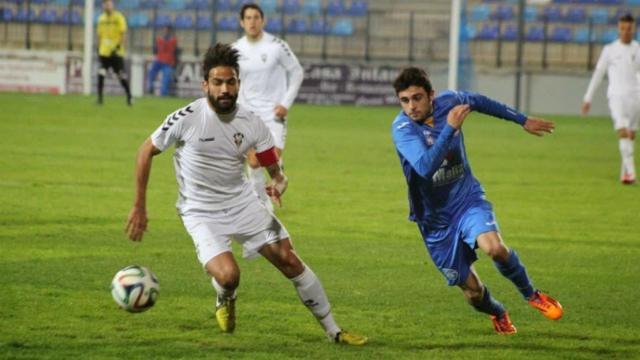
[(291, 265), (498, 252), (624, 133), (473, 296), (227, 276)]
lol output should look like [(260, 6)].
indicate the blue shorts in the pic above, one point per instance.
[(453, 248)]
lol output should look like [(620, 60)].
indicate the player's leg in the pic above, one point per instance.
[(623, 114), (213, 249), (167, 78), (309, 289), (102, 73), (122, 76), (479, 296), (153, 73), (225, 278)]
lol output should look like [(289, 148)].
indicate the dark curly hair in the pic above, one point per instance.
[(220, 55), (412, 76)]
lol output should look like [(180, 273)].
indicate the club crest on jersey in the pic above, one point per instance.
[(428, 137), (264, 58), (237, 138), (450, 274)]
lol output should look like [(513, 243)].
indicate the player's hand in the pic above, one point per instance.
[(136, 223), (280, 111), (538, 127), (586, 106), (274, 194), (456, 116)]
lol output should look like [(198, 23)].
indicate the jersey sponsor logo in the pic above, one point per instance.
[(451, 169), (450, 274), (207, 139), (173, 118), (237, 138)]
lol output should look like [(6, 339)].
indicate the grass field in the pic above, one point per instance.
[(66, 186)]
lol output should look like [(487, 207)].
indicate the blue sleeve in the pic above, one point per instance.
[(483, 104), (423, 159)]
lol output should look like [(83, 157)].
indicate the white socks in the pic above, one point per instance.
[(259, 182), (312, 295), (223, 294), (626, 152)]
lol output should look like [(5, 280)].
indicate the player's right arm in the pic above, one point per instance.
[(596, 79), (426, 160), (137, 221)]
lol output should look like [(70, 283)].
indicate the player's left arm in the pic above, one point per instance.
[(480, 103), (295, 75), (269, 159)]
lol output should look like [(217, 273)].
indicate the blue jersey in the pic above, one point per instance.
[(434, 160)]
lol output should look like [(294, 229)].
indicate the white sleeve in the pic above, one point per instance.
[(295, 74), (598, 74), (263, 140), (168, 133)]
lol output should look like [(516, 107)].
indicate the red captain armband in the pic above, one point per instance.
[(267, 157)]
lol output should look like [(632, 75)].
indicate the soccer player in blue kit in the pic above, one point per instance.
[(447, 202)]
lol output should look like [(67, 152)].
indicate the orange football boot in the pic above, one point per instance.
[(503, 324), (547, 305)]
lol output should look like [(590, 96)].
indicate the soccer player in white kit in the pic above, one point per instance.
[(271, 76), (215, 200), (621, 62)]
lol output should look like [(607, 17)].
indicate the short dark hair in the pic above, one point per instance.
[(250, 6), (220, 55), (626, 18), (412, 76)]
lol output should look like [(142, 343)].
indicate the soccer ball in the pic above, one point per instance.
[(135, 288)]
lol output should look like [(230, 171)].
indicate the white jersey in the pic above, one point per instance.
[(621, 62), (210, 154), (270, 74)]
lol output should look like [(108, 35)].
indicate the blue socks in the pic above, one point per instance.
[(489, 305), (513, 270)]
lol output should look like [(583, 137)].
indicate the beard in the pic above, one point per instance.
[(222, 104)]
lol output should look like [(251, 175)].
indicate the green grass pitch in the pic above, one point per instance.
[(66, 187)]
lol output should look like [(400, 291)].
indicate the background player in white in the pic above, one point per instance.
[(621, 62), (216, 202), (271, 76)]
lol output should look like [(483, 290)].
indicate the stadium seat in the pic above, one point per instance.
[(470, 31), (221, 5), (510, 33), (291, 7), (174, 5), (184, 21), (203, 22), (297, 26), (204, 5), (552, 14), (138, 20), (7, 14), (488, 32), (530, 13), (342, 27), (162, 20), (269, 6), (21, 15), (633, 2), (74, 17), (561, 34), (535, 33), (312, 7), (581, 35), (318, 27), (479, 13), (241, 3), (335, 8), (599, 16), (229, 23), (129, 5), (151, 4), (575, 15), (503, 12), (47, 16), (607, 36), (358, 8), (273, 25), (609, 2)]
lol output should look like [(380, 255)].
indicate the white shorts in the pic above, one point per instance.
[(625, 112), (278, 128), (252, 226)]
